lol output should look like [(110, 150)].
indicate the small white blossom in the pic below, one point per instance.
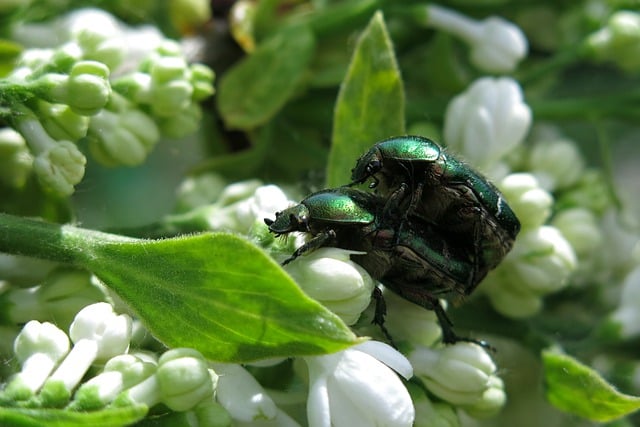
[(540, 263), (329, 276), (556, 163), (120, 372), (530, 202), (181, 381), (199, 190), (39, 347), (122, 137), (98, 334), (580, 227), (354, 387), (243, 205), (59, 165), (627, 315), (184, 379), (462, 374), (497, 45), (618, 41), (15, 159), (409, 322), (487, 121), (620, 250), (241, 395)]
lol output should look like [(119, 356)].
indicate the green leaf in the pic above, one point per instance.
[(115, 417), (576, 388), (370, 105), (214, 292), (256, 88)]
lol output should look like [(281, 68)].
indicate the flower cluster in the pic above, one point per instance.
[(121, 88), (52, 368)]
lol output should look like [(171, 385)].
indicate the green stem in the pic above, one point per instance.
[(604, 142), (623, 106), (12, 93), (54, 242), (560, 60)]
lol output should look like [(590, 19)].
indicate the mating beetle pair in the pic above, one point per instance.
[(418, 269), (433, 228), (421, 179)]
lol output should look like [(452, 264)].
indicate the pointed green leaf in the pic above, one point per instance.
[(214, 292), (370, 105), (576, 388), (256, 88), (114, 417)]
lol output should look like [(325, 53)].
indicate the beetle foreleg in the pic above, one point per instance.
[(318, 241)]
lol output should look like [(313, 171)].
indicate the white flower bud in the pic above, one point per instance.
[(530, 202), (497, 45), (38, 347), (242, 205), (60, 168), (540, 263), (123, 137), (407, 321), (329, 276), (487, 121), (199, 190), (462, 374), (627, 315), (184, 379), (618, 41), (15, 159), (556, 163), (61, 122), (580, 227)]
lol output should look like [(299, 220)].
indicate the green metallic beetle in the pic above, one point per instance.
[(417, 268), (420, 179)]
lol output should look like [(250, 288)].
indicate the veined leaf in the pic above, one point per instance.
[(214, 292), (370, 105)]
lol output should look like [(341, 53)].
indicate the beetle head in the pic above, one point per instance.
[(368, 165), (295, 218)]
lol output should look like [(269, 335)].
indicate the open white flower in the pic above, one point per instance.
[(357, 387)]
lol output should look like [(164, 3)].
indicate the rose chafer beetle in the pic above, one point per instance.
[(420, 179), (418, 268)]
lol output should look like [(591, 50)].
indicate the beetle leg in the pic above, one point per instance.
[(448, 335), (379, 313), (391, 209), (318, 241)]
